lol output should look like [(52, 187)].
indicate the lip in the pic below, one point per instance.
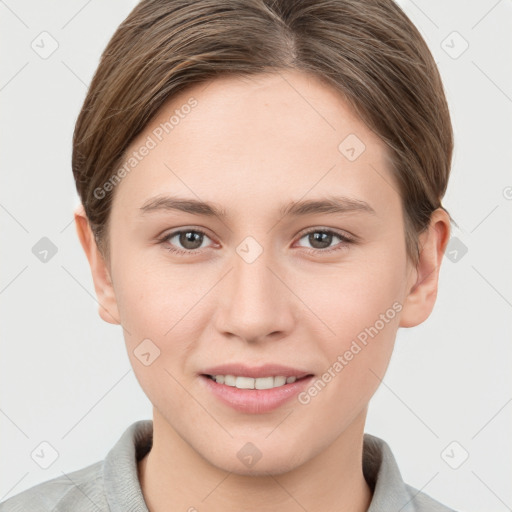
[(255, 401)]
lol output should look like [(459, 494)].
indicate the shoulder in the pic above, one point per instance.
[(390, 492), (424, 503), (113, 480), (80, 491)]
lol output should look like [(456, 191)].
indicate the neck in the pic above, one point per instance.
[(332, 481)]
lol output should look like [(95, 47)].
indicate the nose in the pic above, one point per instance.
[(254, 302)]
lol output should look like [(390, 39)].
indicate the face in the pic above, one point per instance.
[(290, 278)]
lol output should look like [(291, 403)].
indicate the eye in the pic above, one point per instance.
[(190, 239), (321, 239)]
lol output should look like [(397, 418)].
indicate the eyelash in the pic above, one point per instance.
[(345, 240)]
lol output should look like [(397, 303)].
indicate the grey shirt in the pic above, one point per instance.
[(113, 485)]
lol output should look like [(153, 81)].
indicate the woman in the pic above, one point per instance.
[(261, 186)]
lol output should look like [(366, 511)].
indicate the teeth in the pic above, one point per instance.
[(251, 383), (279, 381), (229, 380), (264, 383)]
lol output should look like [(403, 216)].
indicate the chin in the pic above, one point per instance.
[(249, 461)]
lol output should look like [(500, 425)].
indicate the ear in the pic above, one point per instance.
[(100, 273), (423, 279)]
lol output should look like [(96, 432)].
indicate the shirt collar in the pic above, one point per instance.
[(120, 471), (383, 476)]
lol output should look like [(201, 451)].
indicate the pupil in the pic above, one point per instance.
[(324, 239), (189, 240)]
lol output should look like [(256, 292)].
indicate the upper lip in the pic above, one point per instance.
[(266, 370)]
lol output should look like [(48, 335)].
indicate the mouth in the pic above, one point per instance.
[(254, 390)]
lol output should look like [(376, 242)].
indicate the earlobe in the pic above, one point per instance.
[(422, 289), (107, 307)]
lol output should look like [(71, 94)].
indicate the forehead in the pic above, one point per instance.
[(241, 139)]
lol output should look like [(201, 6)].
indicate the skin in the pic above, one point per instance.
[(250, 146)]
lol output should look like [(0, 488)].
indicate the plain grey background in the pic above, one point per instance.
[(444, 406)]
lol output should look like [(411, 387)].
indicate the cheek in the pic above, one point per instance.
[(160, 325), (153, 297), (356, 355), (361, 307), (162, 309), (354, 296)]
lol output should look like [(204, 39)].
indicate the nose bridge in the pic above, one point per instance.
[(254, 302)]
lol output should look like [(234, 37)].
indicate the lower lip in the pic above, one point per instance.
[(255, 401)]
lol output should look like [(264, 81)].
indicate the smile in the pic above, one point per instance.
[(242, 382), (254, 390)]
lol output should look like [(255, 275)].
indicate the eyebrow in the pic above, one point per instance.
[(330, 205)]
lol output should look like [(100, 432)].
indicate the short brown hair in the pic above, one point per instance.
[(368, 50)]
